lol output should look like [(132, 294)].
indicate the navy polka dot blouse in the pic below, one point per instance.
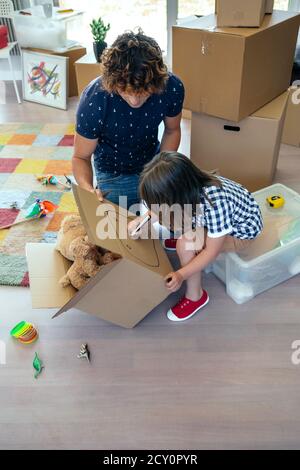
[(127, 137)]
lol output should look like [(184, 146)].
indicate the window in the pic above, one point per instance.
[(281, 4), (150, 15)]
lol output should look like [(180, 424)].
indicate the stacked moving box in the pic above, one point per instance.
[(236, 81)]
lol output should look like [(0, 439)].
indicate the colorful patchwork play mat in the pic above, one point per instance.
[(29, 154)]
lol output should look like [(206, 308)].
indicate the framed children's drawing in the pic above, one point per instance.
[(45, 78)]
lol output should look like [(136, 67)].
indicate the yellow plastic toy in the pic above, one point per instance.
[(276, 202)]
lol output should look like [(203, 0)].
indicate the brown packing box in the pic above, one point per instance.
[(291, 129), (246, 152), (269, 6), (73, 54), (87, 69), (123, 292), (232, 72), (238, 13)]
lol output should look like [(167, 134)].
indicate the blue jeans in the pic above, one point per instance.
[(121, 185)]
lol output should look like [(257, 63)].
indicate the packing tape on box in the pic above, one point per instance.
[(205, 44)]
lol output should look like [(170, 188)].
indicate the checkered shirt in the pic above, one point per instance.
[(234, 211)]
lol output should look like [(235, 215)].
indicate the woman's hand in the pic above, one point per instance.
[(174, 281)]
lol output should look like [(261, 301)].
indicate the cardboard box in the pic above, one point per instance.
[(246, 152), (73, 54), (123, 292), (232, 72), (87, 69), (291, 129), (238, 13), (269, 6)]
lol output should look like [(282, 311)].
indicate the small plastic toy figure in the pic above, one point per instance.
[(51, 179), (37, 365), (14, 205), (37, 210), (40, 209), (84, 352), (68, 180)]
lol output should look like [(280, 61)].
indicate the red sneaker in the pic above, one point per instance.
[(170, 244), (186, 308)]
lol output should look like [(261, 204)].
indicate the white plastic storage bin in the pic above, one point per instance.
[(57, 33), (273, 258)]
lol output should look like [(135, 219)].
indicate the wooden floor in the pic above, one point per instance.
[(222, 380)]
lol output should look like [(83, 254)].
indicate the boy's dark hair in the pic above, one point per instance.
[(134, 63), (171, 178)]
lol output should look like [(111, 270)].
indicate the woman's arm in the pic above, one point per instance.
[(172, 134)]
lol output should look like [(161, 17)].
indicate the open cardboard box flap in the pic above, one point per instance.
[(123, 292), (106, 226)]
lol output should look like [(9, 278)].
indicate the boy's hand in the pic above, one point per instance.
[(174, 281)]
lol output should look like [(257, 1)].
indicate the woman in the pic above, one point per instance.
[(119, 114)]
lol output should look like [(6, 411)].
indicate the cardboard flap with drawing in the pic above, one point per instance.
[(122, 292), (106, 225)]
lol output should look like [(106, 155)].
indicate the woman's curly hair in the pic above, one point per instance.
[(134, 63)]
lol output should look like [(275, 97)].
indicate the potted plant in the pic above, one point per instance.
[(99, 31)]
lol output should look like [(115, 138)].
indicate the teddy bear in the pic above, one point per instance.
[(88, 259), (87, 262), (70, 229)]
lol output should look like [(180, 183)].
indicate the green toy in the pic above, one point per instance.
[(37, 365)]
